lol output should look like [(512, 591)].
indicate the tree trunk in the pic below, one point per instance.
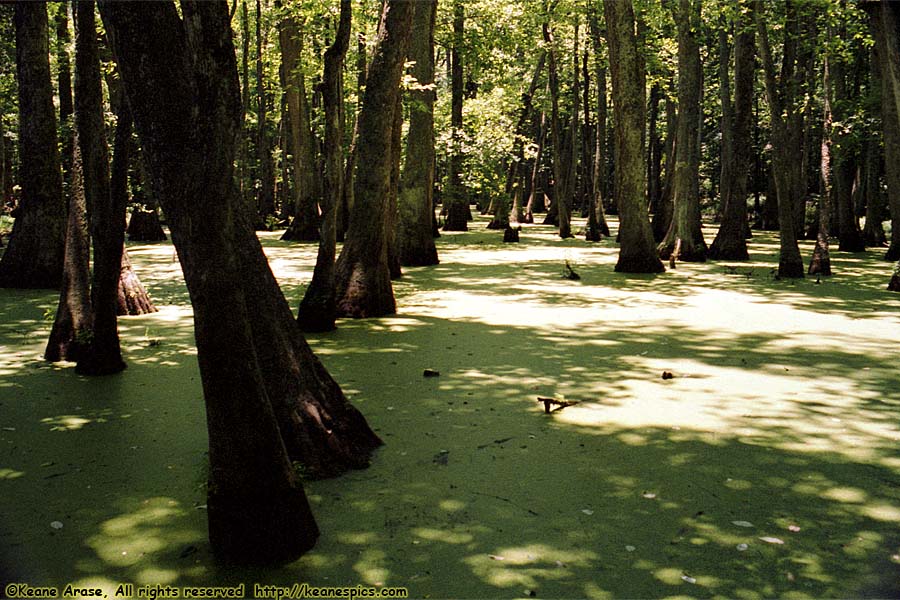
[(599, 162), (455, 197), (64, 86), (654, 152), (686, 225), (730, 242), (363, 280), (390, 222), (873, 233), (884, 23), (317, 309), (637, 253), (848, 232), (72, 325), (561, 147), (416, 208), (34, 255), (268, 399), (132, 297), (265, 193), (662, 219), (536, 197), (781, 95), (305, 225), (820, 264), (107, 213)]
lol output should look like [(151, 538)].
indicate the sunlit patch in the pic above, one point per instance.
[(359, 538), (528, 565), (67, 422), (10, 474), (451, 505), (371, 567), (153, 576), (442, 535), (882, 512), (845, 494)]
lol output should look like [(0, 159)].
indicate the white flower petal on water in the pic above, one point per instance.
[(56, 524), (742, 547), (688, 578), (630, 548), (742, 523), (771, 540), (587, 511)]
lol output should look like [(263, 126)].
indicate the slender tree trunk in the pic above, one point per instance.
[(730, 242), (654, 152), (363, 280), (561, 147), (781, 98), (536, 197), (64, 86), (820, 264), (637, 253), (265, 193), (72, 325), (107, 221), (390, 223), (873, 233), (34, 255), (268, 399), (456, 203), (317, 309), (686, 225), (416, 207), (305, 225), (885, 25), (598, 169), (662, 219)]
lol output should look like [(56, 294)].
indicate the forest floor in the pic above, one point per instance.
[(767, 466)]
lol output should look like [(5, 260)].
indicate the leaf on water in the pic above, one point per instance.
[(587, 511), (56, 524), (649, 495), (742, 547), (688, 578), (742, 523), (630, 548), (793, 528), (771, 540)]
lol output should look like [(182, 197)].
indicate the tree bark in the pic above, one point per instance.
[(107, 220), (730, 242), (686, 226), (662, 219), (598, 169), (536, 197), (637, 253), (268, 399), (416, 203), (64, 87), (820, 264), (265, 192), (317, 309), (456, 203), (884, 22), (363, 282), (848, 233), (781, 96), (34, 255), (562, 158), (305, 225), (72, 325)]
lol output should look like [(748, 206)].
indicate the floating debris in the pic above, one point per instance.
[(772, 540), (742, 523), (56, 525), (741, 547)]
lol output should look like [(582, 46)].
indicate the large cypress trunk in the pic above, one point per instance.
[(107, 212), (72, 325), (685, 232), (637, 252), (730, 242), (317, 309), (415, 202), (268, 399), (363, 280), (34, 256)]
